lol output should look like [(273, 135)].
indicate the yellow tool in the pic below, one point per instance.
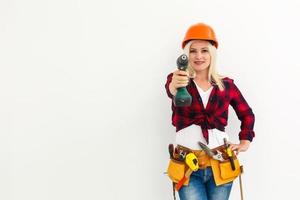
[(192, 161)]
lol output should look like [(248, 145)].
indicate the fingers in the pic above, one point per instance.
[(233, 147), (180, 72), (180, 79), (180, 85), (236, 148), (242, 147)]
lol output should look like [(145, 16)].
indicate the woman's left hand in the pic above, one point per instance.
[(242, 147)]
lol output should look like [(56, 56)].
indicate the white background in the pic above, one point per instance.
[(83, 110)]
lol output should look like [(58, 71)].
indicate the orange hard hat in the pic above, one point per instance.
[(200, 31)]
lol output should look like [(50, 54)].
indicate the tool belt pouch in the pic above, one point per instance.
[(223, 172), (176, 171)]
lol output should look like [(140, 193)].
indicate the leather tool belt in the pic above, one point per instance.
[(222, 170)]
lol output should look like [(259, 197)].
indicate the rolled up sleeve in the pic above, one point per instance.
[(169, 79), (244, 114)]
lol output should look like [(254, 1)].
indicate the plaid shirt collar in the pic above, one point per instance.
[(206, 118)]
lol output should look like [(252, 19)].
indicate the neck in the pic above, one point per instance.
[(202, 75)]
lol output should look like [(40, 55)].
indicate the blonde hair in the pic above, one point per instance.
[(213, 76)]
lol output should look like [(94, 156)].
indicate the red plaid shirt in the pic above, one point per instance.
[(215, 114)]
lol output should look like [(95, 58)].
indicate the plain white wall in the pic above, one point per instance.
[(83, 110)]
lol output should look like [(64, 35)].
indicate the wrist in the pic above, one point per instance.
[(245, 142)]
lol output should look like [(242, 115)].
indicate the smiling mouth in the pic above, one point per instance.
[(199, 62)]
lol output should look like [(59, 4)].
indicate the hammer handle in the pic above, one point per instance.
[(182, 181)]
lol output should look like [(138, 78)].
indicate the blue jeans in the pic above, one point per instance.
[(202, 187)]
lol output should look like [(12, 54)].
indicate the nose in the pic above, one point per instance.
[(199, 55)]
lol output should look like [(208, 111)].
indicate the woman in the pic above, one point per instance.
[(206, 118)]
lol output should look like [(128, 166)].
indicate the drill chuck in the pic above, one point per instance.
[(182, 62)]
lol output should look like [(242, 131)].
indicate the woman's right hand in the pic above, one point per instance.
[(179, 79)]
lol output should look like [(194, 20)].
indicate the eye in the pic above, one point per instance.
[(204, 51), (193, 51)]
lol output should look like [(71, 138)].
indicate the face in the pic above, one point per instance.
[(199, 56)]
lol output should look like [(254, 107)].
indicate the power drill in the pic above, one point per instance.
[(182, 97)]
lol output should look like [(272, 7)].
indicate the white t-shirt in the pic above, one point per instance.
[(191, 135)]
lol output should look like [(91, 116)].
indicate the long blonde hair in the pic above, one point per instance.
[(213, 75)]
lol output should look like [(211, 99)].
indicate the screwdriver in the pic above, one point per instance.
[(229, 153)]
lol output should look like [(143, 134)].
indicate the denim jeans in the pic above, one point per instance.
[(202, 187)]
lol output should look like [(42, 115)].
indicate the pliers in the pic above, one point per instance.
[(211, 153)]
